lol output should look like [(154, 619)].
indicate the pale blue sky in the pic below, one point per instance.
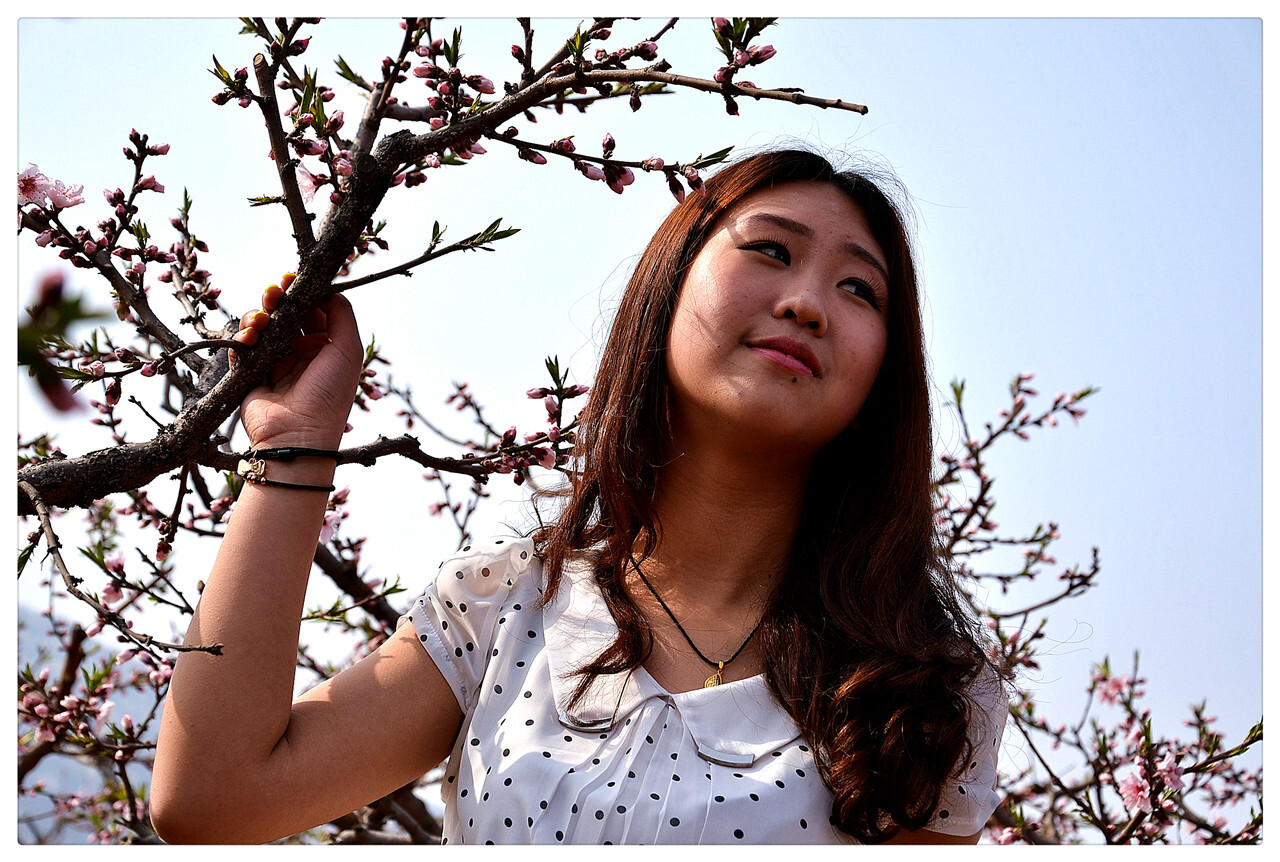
[(1089, 200)]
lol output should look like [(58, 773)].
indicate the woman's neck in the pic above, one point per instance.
[(727, 525)]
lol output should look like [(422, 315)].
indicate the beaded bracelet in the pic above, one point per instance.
[(253, 468)]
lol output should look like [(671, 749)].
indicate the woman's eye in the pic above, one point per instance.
[(775, 250), (862, 290)]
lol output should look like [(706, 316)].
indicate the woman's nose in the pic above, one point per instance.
[(804, 308)]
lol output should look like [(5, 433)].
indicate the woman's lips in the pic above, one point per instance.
[(792, 355)]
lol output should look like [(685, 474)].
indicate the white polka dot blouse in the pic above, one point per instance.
[(630, 763)]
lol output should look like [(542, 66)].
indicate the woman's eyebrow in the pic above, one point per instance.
[(851, 248)]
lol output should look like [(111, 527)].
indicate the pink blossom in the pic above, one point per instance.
[(1135, 792), (45, 238), (758, 54), (653, 164), (1169, 771), (481, 84), (1008, 835), (149, 182), (159, 150), (310, 147), (65, 196), (564, 145), (1113, 688), (33, 186), (331, 521), (590, 171), (308, 183), (342, 167)]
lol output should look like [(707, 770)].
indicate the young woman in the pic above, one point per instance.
[(738, 629)]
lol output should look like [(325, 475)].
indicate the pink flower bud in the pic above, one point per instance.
[(481, 84), (564, 145), (653, 164), (148, 370), (608, 145), (342, 167), (590, 171), (759, 53), (675, 188), (552, 405), (90, 248), (159, 150), (646, 50), (538, 392), (722, 26), (532, 156), (97, 369), (45, 238), (304, 121), (335, 122)]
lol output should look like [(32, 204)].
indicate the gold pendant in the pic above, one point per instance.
[(715, 678)]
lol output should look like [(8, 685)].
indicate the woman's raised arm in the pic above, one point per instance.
[(238, 760)]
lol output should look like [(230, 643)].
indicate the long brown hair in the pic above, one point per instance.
[(865, 642)]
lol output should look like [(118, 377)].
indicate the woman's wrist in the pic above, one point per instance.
[(309, 471)]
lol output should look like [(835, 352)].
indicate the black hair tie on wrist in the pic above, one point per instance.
[(288, 453), (253, 468)]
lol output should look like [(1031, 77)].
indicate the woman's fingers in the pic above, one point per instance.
[(254, 322), (271, 297)]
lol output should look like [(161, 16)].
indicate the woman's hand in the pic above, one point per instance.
[(308, 394)]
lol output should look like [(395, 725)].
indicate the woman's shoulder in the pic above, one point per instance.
[(490, 565)]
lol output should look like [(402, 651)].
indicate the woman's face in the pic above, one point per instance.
[(780, 326)]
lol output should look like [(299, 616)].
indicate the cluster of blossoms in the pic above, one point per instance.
[(80, 248), (35, 188), (55, 714)]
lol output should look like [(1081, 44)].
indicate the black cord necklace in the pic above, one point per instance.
[(717, 677)]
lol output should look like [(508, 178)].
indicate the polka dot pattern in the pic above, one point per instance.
[(519, 775)]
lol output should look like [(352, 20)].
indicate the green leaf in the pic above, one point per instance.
[(345, 71), (220, 73), (714, 159), (25, 554)]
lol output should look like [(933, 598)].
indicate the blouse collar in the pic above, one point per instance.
[(733, 724)]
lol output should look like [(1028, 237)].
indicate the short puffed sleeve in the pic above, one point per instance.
[(456, 617), (969, 797)]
